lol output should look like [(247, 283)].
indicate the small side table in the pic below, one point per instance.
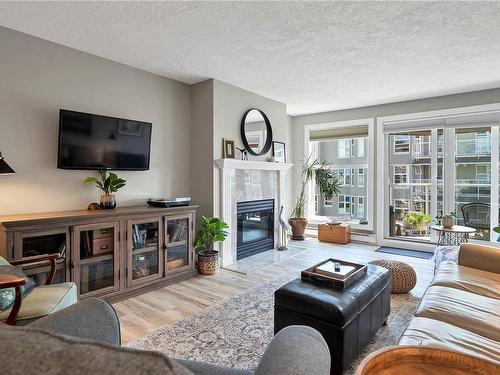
[(340, 233), (453, 236)]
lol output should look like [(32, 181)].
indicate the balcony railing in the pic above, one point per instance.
[(472, 147)]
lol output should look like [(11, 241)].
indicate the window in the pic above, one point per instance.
[(316, 202), (483, 173), (483, 142), (401, 206), (361, 177), (347, 147), (361, 147), (344, 148), (343, 199), (348, 173), (360, 207), (328, 202), (400, 174), (345, 176), (345, 204), (401, 144)]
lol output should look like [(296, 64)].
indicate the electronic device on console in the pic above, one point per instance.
[(170, 202)]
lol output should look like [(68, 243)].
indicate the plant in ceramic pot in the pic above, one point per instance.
[(497, 230), (447, 220), (213, 230), (416, 220), (108, 183), (328, 184)]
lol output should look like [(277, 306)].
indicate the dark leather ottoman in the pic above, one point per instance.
[(347, 318)]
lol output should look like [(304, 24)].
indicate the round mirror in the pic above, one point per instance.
[(256, 132)]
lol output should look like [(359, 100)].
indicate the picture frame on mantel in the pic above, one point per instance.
[(228, 149), (279, 152)]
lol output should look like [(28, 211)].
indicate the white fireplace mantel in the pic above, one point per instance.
[(227, 200)]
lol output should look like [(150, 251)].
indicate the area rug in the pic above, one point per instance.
[(405, 252), (236, 332)]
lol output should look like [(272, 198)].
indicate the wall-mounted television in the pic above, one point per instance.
[(88, 141)]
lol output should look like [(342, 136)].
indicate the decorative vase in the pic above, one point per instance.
[(208, 262), (447, 221), (298, 226), (283, 243), (108, 201)]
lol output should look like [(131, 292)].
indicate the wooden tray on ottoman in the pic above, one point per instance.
[(323, 273)]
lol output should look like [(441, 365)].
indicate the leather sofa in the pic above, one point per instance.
[(460, 309), (85, 339)]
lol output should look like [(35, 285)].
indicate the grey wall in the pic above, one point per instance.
[(37, 78), (202, 155), (230, 103), (429, 104)]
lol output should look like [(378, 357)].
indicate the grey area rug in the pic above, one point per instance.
[(236, 332)]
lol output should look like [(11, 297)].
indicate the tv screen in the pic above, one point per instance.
[(88, 141)]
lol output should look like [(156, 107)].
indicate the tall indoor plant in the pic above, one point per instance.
[(108, 183), (213, 230), (328, 184)]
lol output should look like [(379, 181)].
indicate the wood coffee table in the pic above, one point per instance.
[(422, 360)]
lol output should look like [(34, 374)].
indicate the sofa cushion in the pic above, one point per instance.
[(424, 331), (44, 300), (468, 279), (49, 353), (473, 312)]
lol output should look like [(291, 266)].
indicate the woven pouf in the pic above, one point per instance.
[(403, 275)]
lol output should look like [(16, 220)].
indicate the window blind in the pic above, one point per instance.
[(339, 133)]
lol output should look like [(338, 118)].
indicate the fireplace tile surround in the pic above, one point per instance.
[(243, 181)]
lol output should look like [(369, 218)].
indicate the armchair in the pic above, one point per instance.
[(42, 300)]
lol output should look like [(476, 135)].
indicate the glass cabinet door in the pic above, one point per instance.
[(29, 244), (96, 258), (144, 250), (178, 238)]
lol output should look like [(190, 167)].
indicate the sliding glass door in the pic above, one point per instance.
[(472, 179), (440, 170)]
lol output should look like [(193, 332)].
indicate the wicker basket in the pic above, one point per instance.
[(208, 262), (403, 276)]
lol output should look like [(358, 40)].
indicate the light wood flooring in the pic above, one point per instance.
[(145, 313)]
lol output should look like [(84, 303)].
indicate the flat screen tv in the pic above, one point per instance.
[(88, 141)]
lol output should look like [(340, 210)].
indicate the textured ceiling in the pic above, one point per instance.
[(313, 56)]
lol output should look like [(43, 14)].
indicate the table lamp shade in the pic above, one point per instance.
[(4, 167)]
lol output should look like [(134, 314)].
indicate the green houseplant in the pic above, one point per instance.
[(416, 220), (213, 230), (328, 184), (108, 183), (447, 220)]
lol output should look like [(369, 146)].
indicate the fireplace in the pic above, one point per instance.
[(255, 227)]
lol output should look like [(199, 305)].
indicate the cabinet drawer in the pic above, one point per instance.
[(102, 245), (102, 233)]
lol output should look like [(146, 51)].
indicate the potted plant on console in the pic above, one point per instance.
[(328, 184), (109, 183), (213, 230)]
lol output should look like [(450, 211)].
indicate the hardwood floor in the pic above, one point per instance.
[(145, 313)]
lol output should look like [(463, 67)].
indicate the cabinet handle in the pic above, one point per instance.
[(104, 247)]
